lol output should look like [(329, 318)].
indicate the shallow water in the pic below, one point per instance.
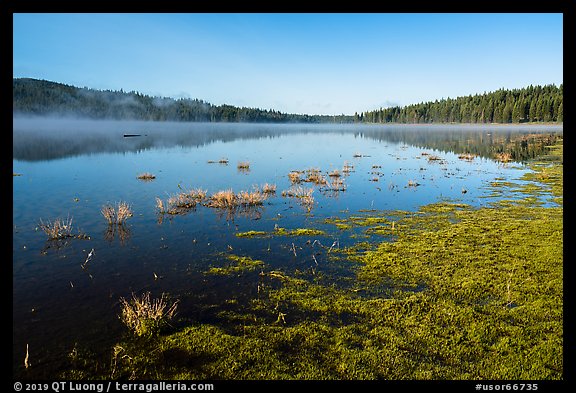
[(70, 169)]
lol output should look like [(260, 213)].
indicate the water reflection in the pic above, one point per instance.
[(48, 139)]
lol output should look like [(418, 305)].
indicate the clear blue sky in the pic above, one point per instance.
[(295, 63)]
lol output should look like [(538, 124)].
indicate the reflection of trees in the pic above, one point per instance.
[(521, 145), (31, 142)]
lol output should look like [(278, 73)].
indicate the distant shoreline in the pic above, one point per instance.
[(21, 116)]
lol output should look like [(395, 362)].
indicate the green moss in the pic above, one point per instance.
[(250, 234), (238, 264)]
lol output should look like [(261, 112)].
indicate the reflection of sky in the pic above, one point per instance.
[(108, 177)]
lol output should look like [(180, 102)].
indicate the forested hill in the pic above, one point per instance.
[(40, 97), (530, 104)]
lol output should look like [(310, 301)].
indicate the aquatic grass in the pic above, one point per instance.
[(243, 166), (146, 176), (117, 215), (251, 198), (294, 177), (145, 316), (58, 229), (269, 188), (334, 173), (314, 175), (225, 199)]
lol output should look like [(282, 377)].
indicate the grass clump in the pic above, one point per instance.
[(294, 177), (243, 166), (117, 215), (269, 188), (224, 199), (146, 176), (58, 229), (145, 316)]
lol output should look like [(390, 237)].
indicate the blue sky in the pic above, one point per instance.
[(295, 63)]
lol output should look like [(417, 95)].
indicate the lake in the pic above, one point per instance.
[(66, 292)]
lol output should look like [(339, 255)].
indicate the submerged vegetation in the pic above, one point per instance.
[(446, 292)]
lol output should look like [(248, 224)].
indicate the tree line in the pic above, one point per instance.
[(530, 104), (40, 97)]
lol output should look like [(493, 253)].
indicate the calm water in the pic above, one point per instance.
[(70, 169)]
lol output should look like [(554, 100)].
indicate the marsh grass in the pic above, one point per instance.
[(182, 202), (58, 229), (269, 188), (146, 176), (243, 166), (117, 215), (251, 198), (314, 175), (225, 199), (294, 177), (334, 173), (145, 316)]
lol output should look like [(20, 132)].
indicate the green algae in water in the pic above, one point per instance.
[(238, 264), (279, 231)]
